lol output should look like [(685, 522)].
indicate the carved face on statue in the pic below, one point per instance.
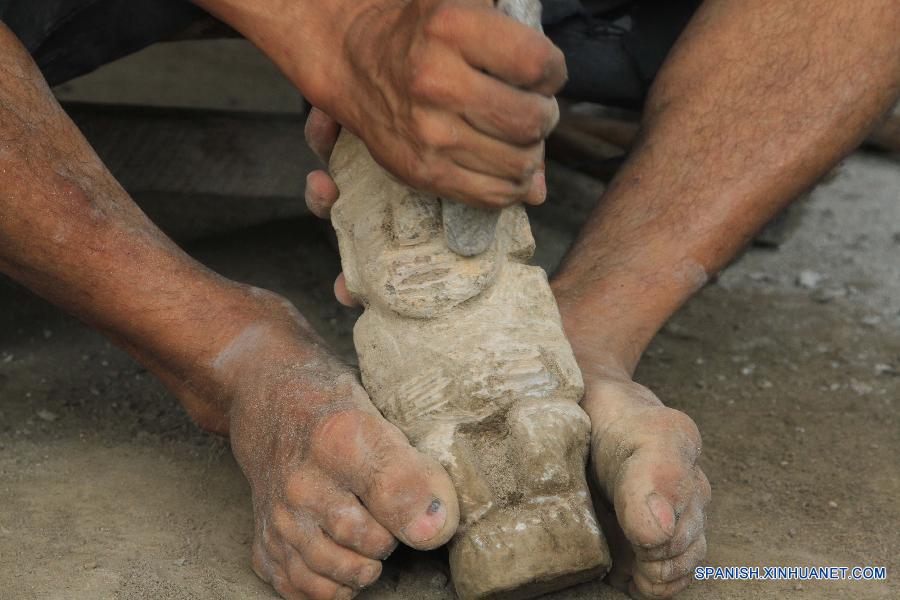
[(401, 259)]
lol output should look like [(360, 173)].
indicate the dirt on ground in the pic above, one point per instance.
[(789, 362)]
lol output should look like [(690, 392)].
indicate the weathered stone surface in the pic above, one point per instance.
[(466, 354)]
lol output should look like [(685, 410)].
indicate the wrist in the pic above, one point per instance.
[(306, 39), (210, 343)]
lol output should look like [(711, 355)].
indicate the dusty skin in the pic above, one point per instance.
[(467, 356)]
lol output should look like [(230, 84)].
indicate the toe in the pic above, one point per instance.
[(407, 492), (349, 524), (648, 499), (310, 584), (671, 569), (646, 463), (642, 588), (328, 559), (689, 528)]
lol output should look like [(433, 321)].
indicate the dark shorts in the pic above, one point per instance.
[(613, 47)]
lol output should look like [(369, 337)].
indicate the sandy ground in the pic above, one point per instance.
[(788, 362)]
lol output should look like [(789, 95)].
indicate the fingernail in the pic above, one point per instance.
[(663, 513), (428, 525)]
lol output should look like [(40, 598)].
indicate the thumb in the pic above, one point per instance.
[(321, 133)]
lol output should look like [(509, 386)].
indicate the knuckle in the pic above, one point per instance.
[(443, 20), (434, 175), (415, 169), (331, 425), (426, 83), (525, 167), (437, 136), (347, 526), (499, 199), (534, 122), (538, 61)]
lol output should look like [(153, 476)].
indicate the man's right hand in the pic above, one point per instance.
[(451, 96)]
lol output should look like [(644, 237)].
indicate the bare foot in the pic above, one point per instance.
[(644, 458), (334, 484)]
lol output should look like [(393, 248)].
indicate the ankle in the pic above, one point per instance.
[(210, 363)]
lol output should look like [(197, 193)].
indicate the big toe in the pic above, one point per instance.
[(653, 483), (407, 492)]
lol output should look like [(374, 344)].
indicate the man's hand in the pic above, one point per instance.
[(450, 96)]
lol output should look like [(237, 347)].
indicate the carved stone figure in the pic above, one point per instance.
[(466, 354)]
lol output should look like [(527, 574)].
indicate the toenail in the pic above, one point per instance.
[(422, 530), (344, 593), (367, 575), (434, 506)]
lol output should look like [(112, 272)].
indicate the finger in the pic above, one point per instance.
[(310, 583), (482, 154), (407, 492), (538, 192), (507, 113), (525, 58), (321, 193), (342, 294), (476, 189), (489, 105), (321, 133)]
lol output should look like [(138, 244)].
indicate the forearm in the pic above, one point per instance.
[(314, 30), (70, 233), (755, 103)]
